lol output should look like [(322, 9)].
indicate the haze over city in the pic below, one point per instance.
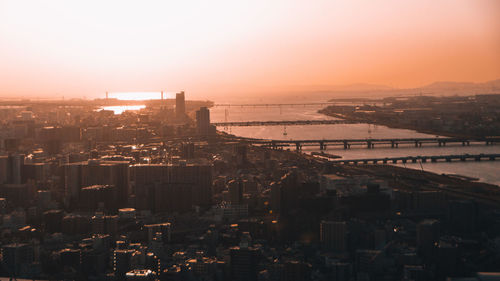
[(277, 140), (50, 49)]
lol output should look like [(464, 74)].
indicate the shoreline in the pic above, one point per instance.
[(452, 178), (393, 126)]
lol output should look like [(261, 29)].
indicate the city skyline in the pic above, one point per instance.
[(84, 49)]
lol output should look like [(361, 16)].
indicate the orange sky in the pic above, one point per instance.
[(83, 48)]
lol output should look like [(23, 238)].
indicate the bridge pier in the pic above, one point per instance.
[(414, 160), (433, 159), (394, 144), (448, 159), (492, 158), (394, 161), (298, 146), (418, 144), (369, 144), (322, 146), (423, 159), (477, 158), (346, 145), (384, 161)]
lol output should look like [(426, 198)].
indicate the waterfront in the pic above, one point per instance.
[(484, 171), (119, 109)]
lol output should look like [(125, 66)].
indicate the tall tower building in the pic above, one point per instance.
[(180, 105), (203, 121)]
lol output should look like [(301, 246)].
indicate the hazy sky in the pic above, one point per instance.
[(84, 48)]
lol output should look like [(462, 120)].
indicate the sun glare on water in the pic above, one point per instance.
[(140, 95), (119, 109)]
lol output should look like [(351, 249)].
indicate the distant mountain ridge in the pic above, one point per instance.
[(489, 86), (361, 87), (438, 88)]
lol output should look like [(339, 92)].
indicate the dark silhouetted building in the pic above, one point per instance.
[(244, 261), (168, 179), (235, 191), (333, 235), (203, 122), (427, 236), (17, 257), (180, 105), (462, 215)]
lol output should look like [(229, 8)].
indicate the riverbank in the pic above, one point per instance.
[(391, 124), (459, 184), (485, 171), (468, 116)]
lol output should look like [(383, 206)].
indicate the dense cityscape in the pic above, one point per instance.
[(250, 140), (159, 194)]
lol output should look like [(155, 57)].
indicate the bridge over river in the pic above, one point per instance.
[(416, 159), (370, 143), (282, 123), (273, 104)]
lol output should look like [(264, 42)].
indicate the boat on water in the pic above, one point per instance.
[(327, 155), (461, 177)]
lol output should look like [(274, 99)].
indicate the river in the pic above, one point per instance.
[(485, 171)]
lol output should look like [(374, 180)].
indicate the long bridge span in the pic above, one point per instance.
[(284, 122), (273, 104), (417, 159), (370, 143)]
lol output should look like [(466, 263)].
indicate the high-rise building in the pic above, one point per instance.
[(462, 216), (172, 178), (341, 271), (187, 150), (295, 271), (244, 263), (427, 237), (173, 197), (333, 235), (95, 172), (16, 256), (72, 182), (95, 196), (163, 228), (180, 105), (203, 121), (235, 191), (4, 169), (70, 257), (122, 262), (53, 220), (16, 162)]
